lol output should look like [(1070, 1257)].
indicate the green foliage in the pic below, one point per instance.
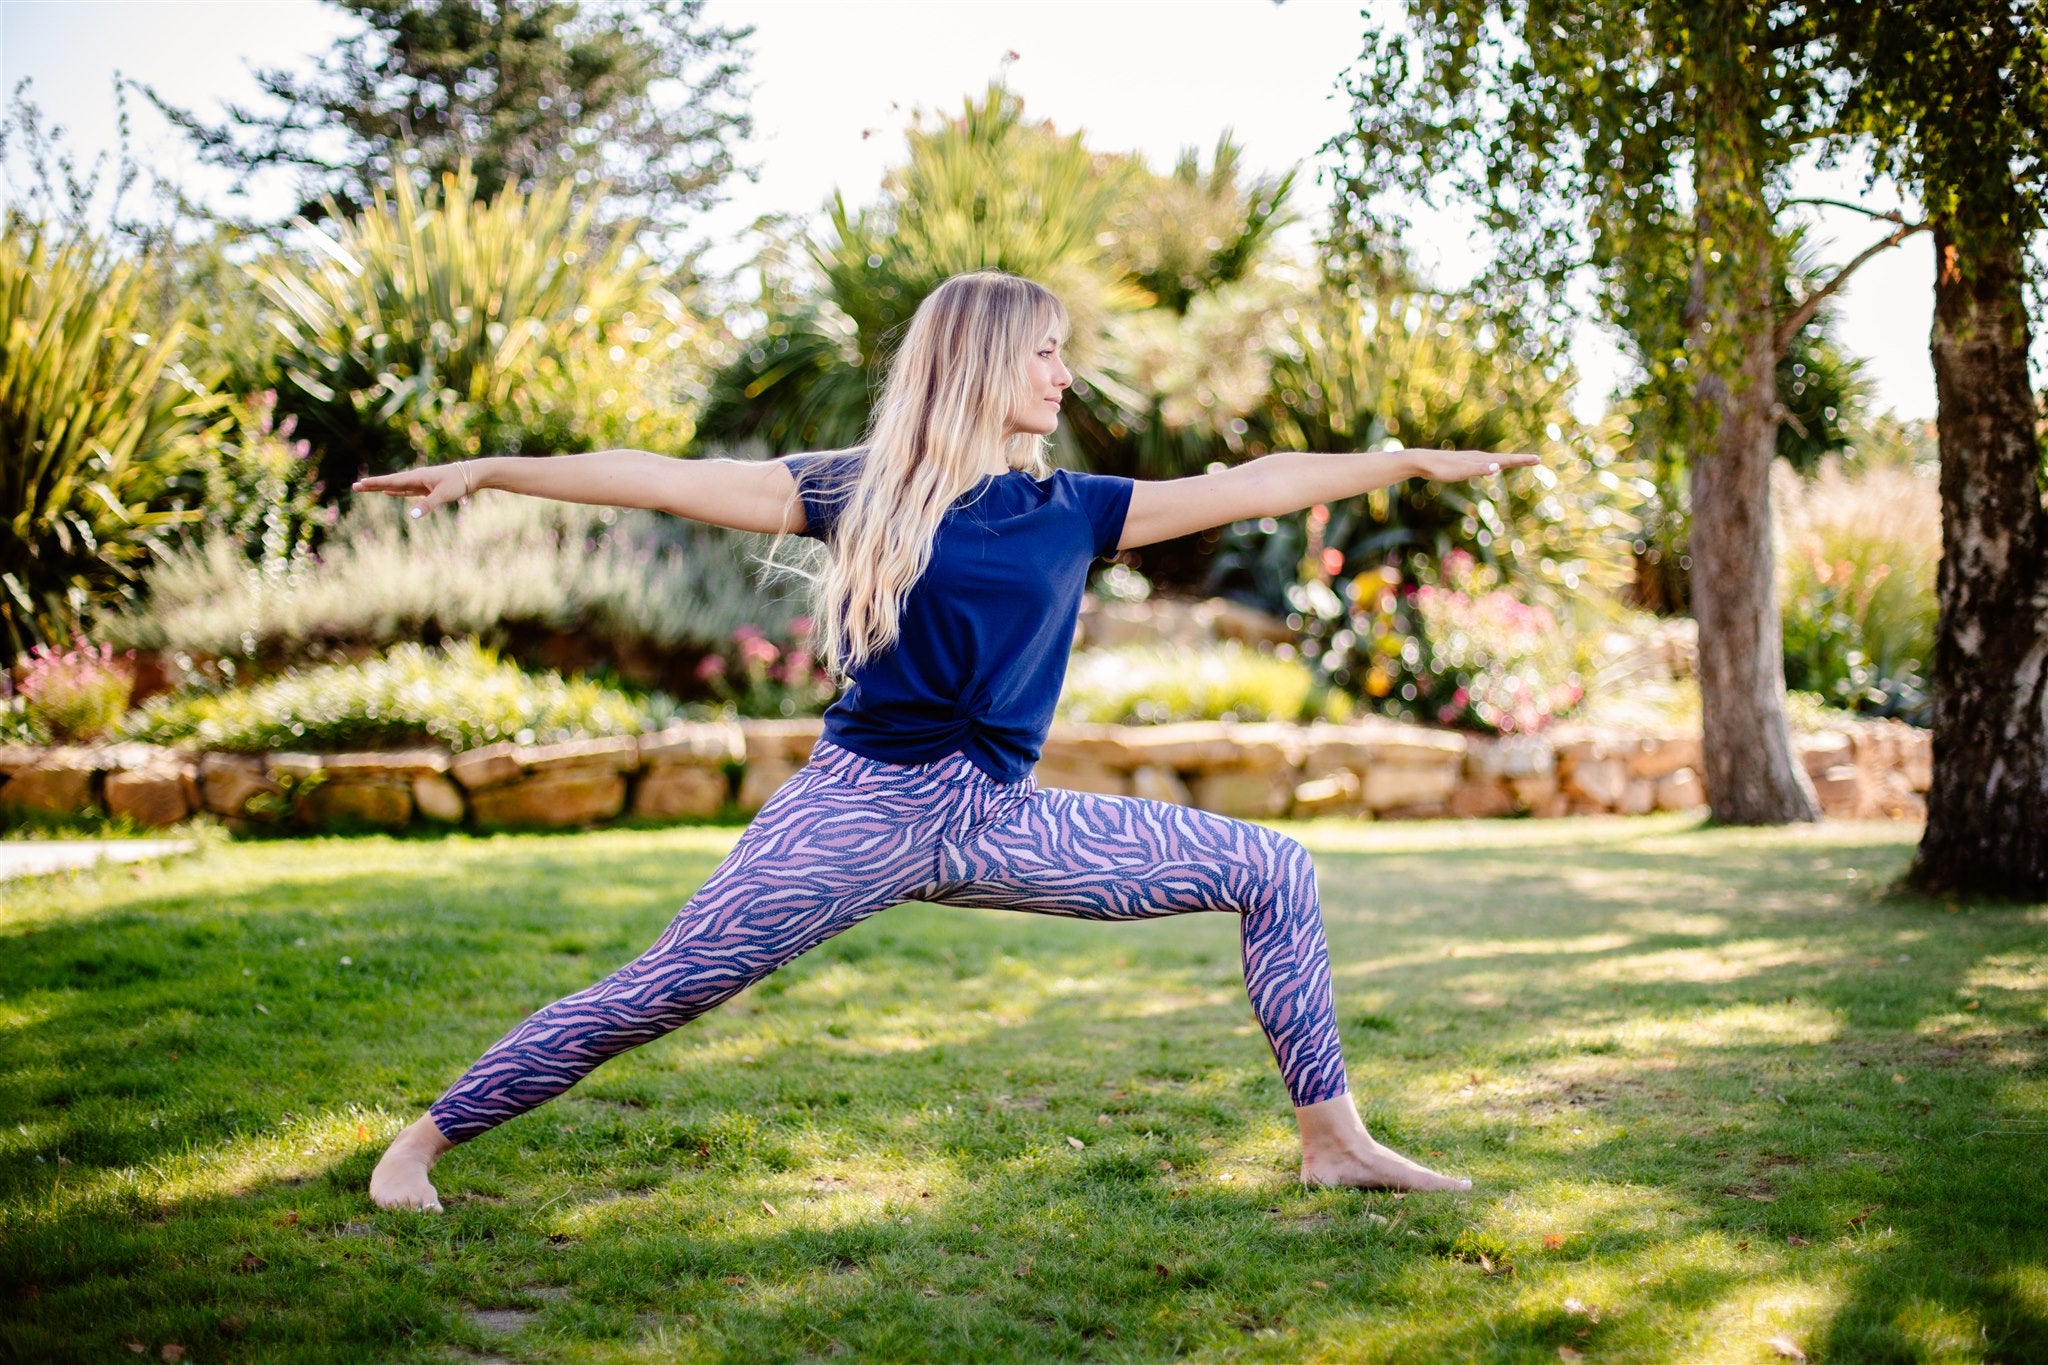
[(256, 487), (461, 696), (1426, 373), (628, 577), (529, 91), (1153, 684), (75, 694), (98, 419), (437, 326), (986, 190), (1856, 569)]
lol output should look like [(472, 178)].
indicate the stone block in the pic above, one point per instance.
[(57, 786), (1823, 750), (383, 801), (1389, 787), (227, 781), (1680, 790), (1247, 793), (1481, 799), (697, 743), (581, 757), (1660, 755), (1840, 791), (1595, 780), (387, 763), (1337, 794), (153, 796), (1081, 775), (761, 780), (1638, 797), (1530, 792), (1507, 756), (1434, 811), (1156, 783), (489, 765), (437, 797), (783, 741), (680, 789), (553, 801), (1916, 759)]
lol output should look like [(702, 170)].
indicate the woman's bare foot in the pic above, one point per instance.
[(1336, 1150), (400, 1180)]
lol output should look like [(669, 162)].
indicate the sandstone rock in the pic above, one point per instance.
[(384, 801), (1156, 783), (56, 786), (1822, 750), (554, 800), (1916, 760), (1506, 756), (1481, 798), (1390, 787), (1435, 811), (762, 779), (153, 796), (1182, 745), (227, 782), (437, 797), (1531, 792), (1661, 755), (708, 741), (784, 741), (1552, 807), (287, 765), (1638, 797), (1680, 790), (1595, 780), (1080, 775), (1247, 793), (387, 763), (490, 765), (1337, 794), (581, 757), (680, 789), (1840, 791)]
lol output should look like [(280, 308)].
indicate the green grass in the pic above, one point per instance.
[(1715, 1086)]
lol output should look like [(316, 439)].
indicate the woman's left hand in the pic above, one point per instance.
[(1449, 466)]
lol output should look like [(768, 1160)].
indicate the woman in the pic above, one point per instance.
[(948, 600)]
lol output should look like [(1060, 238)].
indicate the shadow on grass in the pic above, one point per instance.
[(1665, 1054)]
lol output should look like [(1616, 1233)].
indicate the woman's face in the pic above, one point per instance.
[(1036, 410)]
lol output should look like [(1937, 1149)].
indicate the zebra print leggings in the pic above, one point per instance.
[(850, 835)]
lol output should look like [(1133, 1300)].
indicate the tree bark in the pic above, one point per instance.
[(1987, 811), (1753, 776)]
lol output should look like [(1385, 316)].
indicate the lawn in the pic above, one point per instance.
[(1725, 1097)]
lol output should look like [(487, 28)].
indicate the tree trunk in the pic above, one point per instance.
[(1752, 776), (1987, 812)]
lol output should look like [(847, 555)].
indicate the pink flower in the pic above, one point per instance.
[(709, 667), (747, 633), (757, 649)]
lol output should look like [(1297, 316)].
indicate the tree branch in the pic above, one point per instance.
[(1803, 314), (1888, 215)]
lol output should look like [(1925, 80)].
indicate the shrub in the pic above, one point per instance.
[(765, 679), (1857, 561), (98, 419), (1151, 684), (74, 695), (1463, 651), (460, 696), (630, 577)]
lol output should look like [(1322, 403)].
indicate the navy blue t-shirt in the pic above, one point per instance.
[(987, 629)]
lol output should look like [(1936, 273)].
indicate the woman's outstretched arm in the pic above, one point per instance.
[(1287, 481), (747, 495)]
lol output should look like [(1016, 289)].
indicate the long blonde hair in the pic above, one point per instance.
[(944, 410)]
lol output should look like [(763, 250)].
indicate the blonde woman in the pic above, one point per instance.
[(947, 601)]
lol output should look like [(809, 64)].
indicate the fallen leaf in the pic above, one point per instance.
[(1796, 1240), (135, 1346), (1552, 1241), (770, 1209), (1165, 1165), (1102, 1120), (1575, 1307), (232, 1326), (1858, 1219), (290, 1219), (1076, 1143), (1786, 1347), (1567, 1353), (931, 1293), (1317, 1284), (250, 1263), (735, 1279), (362, 1132), (172, 1351), (260, 1009)]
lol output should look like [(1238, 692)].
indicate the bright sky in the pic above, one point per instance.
[(835, 81)]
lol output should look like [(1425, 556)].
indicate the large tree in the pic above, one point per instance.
[(642, 93), (1643, 148), (1955, 95)]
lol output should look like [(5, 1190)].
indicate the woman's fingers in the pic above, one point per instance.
[(425, 483)]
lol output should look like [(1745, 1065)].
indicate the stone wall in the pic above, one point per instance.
[(1369, 769)]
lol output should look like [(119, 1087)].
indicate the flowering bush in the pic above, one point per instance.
[(1154, 684), (766, 679), (1462, 651), (77, 694)]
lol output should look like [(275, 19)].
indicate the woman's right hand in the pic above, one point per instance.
[(433, 484)]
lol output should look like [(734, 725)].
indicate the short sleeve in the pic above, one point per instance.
[(1106, 498), (824, 480)]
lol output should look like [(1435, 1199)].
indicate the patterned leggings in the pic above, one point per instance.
[(849, 835)]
